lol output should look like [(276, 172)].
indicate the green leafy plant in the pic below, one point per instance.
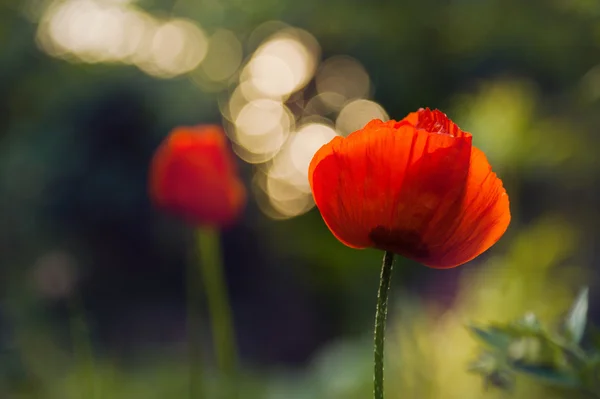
[(561, 356)]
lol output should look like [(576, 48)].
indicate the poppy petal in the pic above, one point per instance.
[(371, 187), (415, 187), (193, 175), (433, 184), (484, 218)]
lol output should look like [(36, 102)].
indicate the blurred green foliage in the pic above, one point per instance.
[(526, 346)]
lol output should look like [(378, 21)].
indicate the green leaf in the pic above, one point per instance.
[(574, 324), (549, 375), (528, 324), (492, 336)]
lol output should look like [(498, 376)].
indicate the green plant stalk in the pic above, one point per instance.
[(218, 306), (194, 328), (82, 346), (380, 319)]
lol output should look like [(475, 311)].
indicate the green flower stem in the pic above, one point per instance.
[(380, 318), (218, 306), (82, 346), (194, 328)]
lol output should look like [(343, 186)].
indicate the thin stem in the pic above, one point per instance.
[(82, 346), (194, 328), (218, 306), (380, 318)]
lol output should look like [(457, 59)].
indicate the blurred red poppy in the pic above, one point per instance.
[(193, 175), (416, 187)]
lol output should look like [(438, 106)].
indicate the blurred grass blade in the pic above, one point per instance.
[(574, 324)]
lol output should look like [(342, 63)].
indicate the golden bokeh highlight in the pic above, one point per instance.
[(262, 127), (302, 147), (93, 31), (324, 104), (277, 124), (274, 119), (263, 32), (356, 114), (283, 182), (224, 56), (178, 46), (341, 79), (283, 63)]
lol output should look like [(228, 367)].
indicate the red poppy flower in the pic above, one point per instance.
[(416, 187), (193, 175)]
